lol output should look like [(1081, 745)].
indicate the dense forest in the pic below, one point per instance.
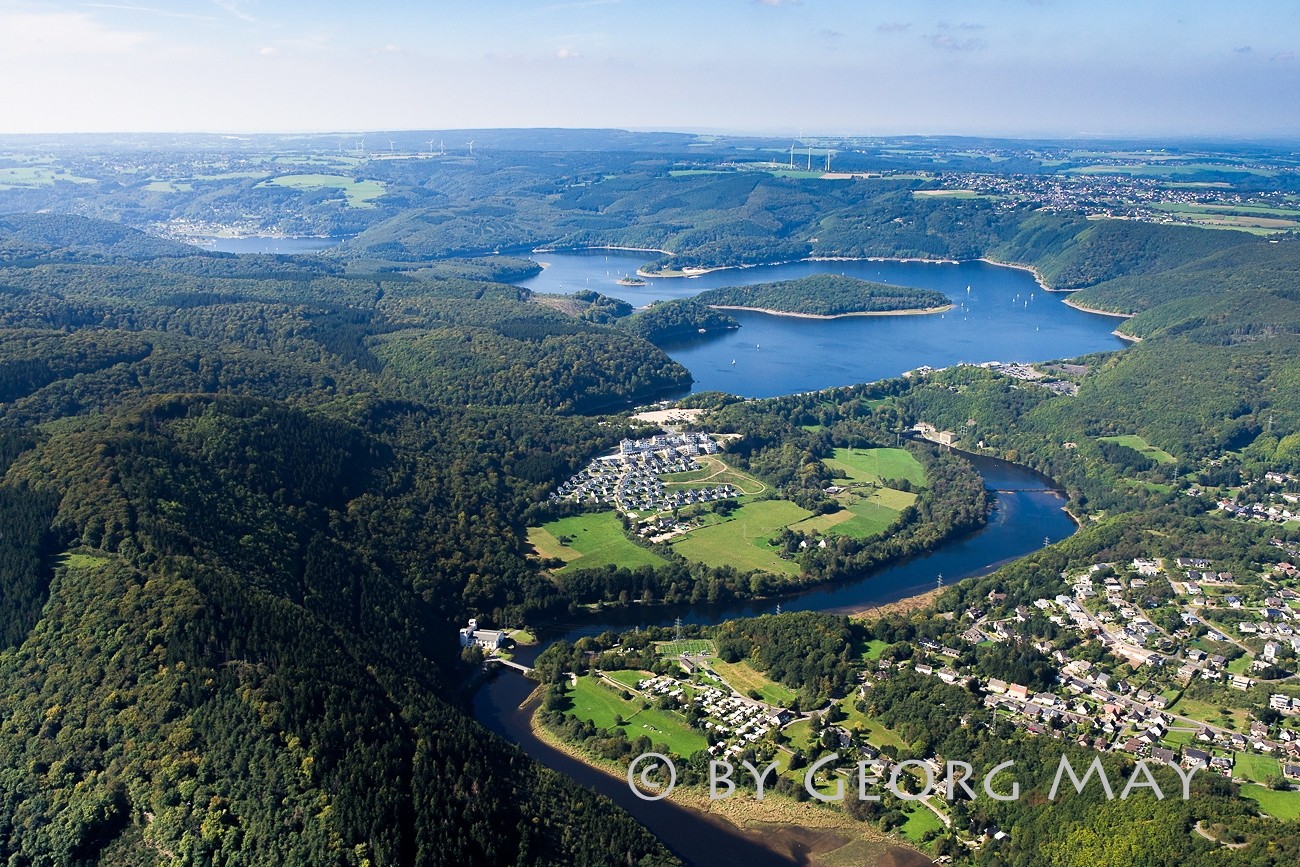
[(825, 295)]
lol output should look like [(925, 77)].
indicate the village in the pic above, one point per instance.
[(629, 479), (1158, 647)]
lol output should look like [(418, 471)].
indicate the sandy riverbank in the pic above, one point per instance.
[(910, 312), (902, 606), (802, 831)]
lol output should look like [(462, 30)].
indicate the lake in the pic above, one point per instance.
[(1005, 316)]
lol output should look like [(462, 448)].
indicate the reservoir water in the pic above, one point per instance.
[(1005, 316)]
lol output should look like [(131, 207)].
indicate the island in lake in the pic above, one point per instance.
[(826, 296)]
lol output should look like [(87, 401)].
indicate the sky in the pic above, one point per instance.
[(1062, 68)]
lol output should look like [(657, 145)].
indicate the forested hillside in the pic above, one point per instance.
[(269, 543)]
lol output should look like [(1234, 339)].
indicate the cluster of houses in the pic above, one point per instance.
[(1277, 506), (630, 481), (736, 722)]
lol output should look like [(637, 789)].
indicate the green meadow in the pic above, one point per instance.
[(590, 542)]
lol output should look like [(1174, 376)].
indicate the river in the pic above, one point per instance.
[(1026, 511)]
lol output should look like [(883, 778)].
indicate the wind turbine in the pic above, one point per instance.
[(792, 144), (361, 147), (391, 145), (431, 141), (828, 160), (810, 158), (442, 148), (471, 147)]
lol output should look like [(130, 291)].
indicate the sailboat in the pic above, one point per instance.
[(733, 362)]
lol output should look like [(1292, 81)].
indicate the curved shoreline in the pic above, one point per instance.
[(1131, 338), (917, 311), (766, 823)]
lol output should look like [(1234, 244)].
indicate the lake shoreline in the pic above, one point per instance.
[(917, 311), (1131, 338)]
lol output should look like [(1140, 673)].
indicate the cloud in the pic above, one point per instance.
[(778, 2), (944, 42), (236, 9), (1243, 49), (391, 48), (893, 27), (268, 51), (37, 34), (1282, 57), (831, 34), (149, 10), (965, 25), (567, 54)]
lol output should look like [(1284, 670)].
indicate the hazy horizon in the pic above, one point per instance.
[(1013, 68)]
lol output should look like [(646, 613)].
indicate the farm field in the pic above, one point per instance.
[(360, 194), (871, 466), (742, 540), (594, 540)]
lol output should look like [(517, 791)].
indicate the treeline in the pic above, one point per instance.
[(668, 321), (824, 295), (808, 652)]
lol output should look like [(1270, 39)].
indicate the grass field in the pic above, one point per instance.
[(693, 646), (37, 176), (596, 540), (743, 677), (919, 822), (1256, 768), (598, 704), (167, 187), (1209, 712), (359, 193), (1279, 805), (875, 647), (742, 540), (873, 730), (83, 561), (629, 677), (1138, 444), (870, 466), (715, 472), (1168, 170)]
